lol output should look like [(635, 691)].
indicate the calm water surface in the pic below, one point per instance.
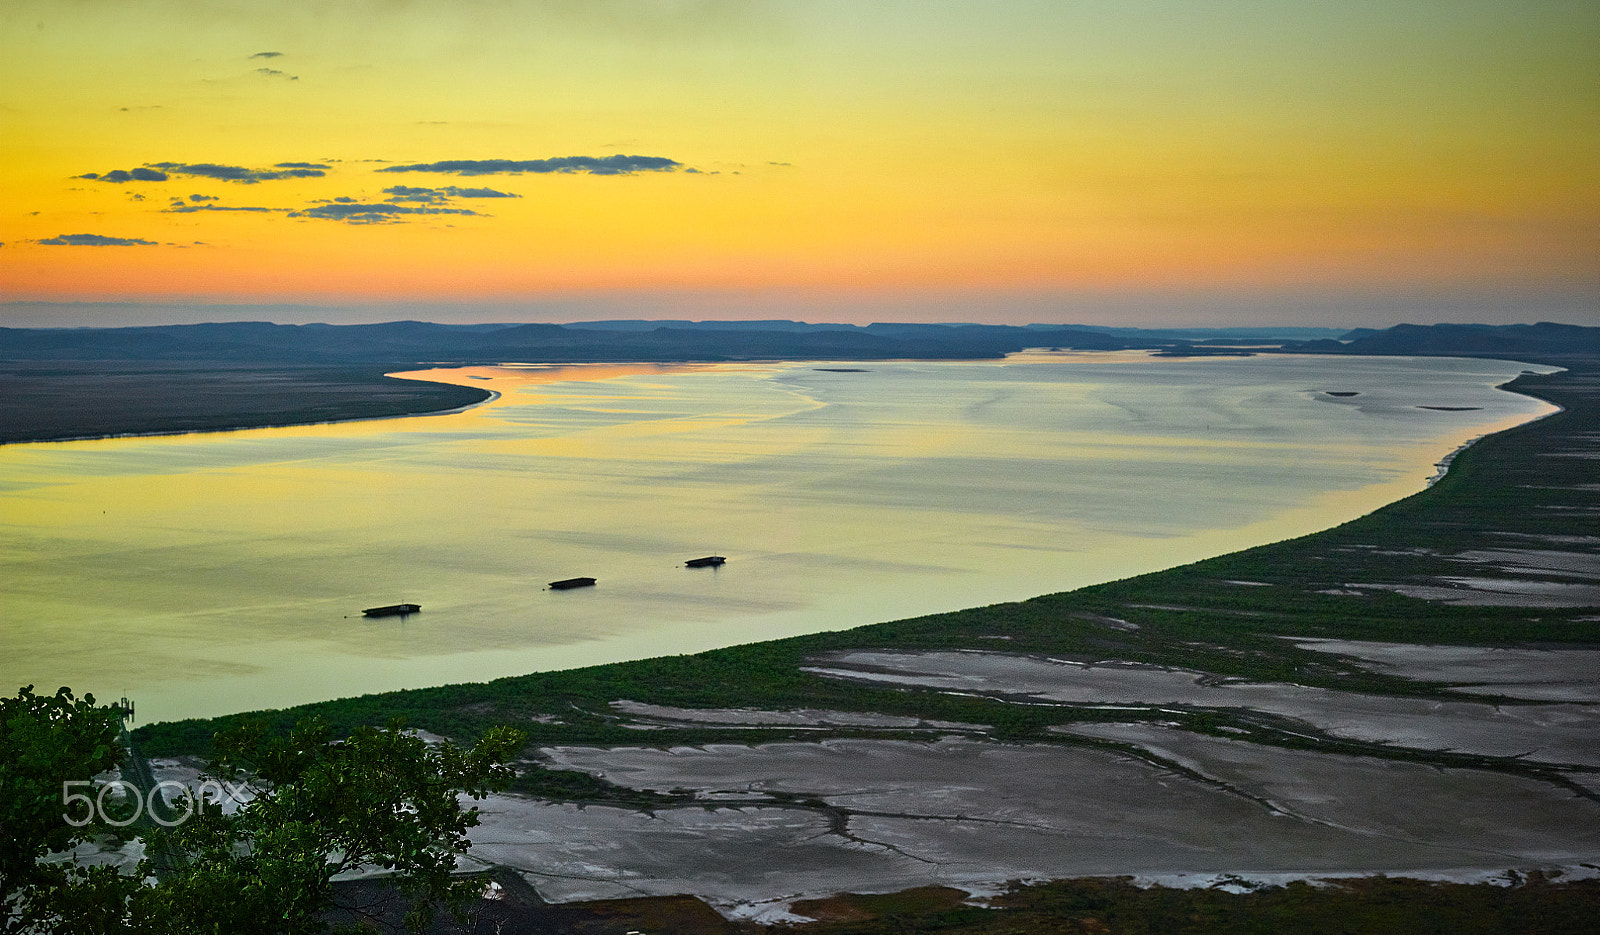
[(203, 574)]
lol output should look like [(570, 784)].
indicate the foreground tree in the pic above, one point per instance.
[(261, 858), (47, 742), (314, 808)]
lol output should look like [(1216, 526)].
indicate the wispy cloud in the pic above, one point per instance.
[(161, 171), (94, 240), (592, 165), (211, 170), (267, 55), (350, 211), (437, 195), (275, 73), (141, 174), (179, 206), (405, 202)]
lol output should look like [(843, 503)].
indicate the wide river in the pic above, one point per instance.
[(210, 573)]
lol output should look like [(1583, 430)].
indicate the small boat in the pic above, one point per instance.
[(570, 583), (710, 561), (392, 610)]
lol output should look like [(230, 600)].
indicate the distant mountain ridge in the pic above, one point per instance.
[(414, 341), (404, 343), (1448, 340)]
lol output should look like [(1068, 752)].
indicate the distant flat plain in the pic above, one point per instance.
[(52, 400)]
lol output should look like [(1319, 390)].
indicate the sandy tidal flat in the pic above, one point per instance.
[(1554, 733), (897, 814), (776, 822)]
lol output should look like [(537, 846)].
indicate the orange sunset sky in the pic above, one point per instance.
[(1138, 161)]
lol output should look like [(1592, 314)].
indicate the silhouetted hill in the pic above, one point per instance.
[(1544, 339), (761, 324), (1251, 333)]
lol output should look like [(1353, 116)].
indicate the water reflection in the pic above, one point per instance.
[(210, 573)]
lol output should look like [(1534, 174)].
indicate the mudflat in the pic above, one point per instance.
[(58, 400)]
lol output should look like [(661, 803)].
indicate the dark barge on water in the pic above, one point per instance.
[(569, 583), (710, 561), (392, 610)]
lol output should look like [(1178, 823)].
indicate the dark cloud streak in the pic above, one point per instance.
[(95, 240), (178, 207), (211, 170), (436, 195), (119, 176), (566, 165), (161, 171), (351, 212)]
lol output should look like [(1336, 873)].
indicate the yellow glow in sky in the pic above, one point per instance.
[(185, 150)]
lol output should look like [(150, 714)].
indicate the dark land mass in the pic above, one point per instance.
[(1549, 342), (411, 343), (56, 400)]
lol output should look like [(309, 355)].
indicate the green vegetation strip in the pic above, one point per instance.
[(1117, 904)]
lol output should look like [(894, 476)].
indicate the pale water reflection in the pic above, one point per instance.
[(203, 574)]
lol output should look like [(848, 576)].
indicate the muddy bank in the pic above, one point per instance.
[(780, 822)]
